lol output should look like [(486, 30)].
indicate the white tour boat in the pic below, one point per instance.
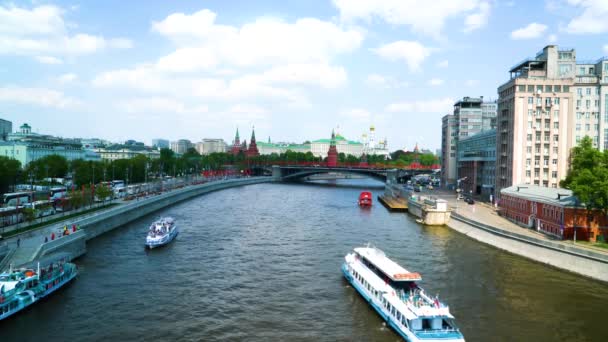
[(392, 291), (161, 232)]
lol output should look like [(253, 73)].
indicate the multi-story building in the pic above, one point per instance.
[(547, 106), (371, 146), (449, 140), (160, 143), (471, 116), (208, 146), (476, 161), (116, 152), (591, 102), (27, 146), (6, 127), (181, 146), (320, 147)]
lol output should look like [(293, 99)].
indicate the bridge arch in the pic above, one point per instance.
[(305, 173)]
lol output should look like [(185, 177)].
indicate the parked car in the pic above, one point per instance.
[(469, 200)]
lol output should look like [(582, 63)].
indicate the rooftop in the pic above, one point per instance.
[(386, 265), (554, 196)]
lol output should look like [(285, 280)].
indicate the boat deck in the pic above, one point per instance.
[(393, 204)]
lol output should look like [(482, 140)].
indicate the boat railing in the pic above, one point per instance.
[(437, 332)]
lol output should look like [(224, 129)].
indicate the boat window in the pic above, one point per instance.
[(426, 324), (398, 316)]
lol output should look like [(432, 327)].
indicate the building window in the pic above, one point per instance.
[(528, 173), (578, 103), (529, 137), (530, 88), (555, 124), (578, 139), (530, 100), (579, 91), (566, 89), (579, 115), (555, 149), (596, 103), (521, 88), (596, 127), (557, 88), (578, 126), (556, 100), (547, 89), (587, 115), (528, 161), (556, 138), (556, 114), (529, 149), (587, 103), (588, 91), (587, 127), (554, 161)]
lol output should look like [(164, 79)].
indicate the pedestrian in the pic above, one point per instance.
[(18, 242), (46, 239), (52, 236), (74, 228)]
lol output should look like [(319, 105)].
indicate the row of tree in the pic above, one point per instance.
[(137, 169)]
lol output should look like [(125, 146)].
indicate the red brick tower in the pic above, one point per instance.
[(253, 147), (332, 154), (236, 144)]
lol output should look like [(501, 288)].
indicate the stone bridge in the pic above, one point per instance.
[(389, 176)]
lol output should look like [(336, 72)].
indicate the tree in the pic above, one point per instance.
[(588, 176), (52, 166), (428, 159), (9, 170), (29, 214), (102, 192)]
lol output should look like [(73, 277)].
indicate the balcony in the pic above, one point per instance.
[(587, 79)]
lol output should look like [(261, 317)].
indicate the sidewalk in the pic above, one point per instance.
[(484, 213)]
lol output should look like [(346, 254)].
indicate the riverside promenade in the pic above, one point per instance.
[(28, 246), (481, 222)]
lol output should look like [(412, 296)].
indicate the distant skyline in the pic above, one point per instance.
[(191, 69)]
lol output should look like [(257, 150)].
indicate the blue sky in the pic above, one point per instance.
[(295, 69)]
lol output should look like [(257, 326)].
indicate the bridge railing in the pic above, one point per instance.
[(348, 165)]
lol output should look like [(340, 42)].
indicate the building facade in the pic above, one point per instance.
[(123, 152), (208, 146), (27, 146), (552, 211), (6, 127), (160, 143), (320, 147), (181, 146), (550, 102), (471, 116), (476, 160)]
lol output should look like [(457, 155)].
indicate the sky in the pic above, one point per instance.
[(294, 70)]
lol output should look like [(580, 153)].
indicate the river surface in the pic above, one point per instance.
[(262, 263)]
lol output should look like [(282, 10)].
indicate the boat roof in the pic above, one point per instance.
[(371, 277), (390, 268), (400, 305)]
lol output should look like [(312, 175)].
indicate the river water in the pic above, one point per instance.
[(262, 263)]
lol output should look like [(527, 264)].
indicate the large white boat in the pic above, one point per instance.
[(392, 291), (161, 232)]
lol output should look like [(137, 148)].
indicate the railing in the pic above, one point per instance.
[(413, 166)]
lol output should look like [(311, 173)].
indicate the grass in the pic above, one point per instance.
[(55, 220), (593, 244)]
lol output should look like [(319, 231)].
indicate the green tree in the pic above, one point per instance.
[(9, 172), (103, 192), (588, 175), (52, 166), (29, 214), (428, 159)]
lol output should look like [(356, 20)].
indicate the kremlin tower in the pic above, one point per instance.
[(236, 144), (332, 154), (253, 147)]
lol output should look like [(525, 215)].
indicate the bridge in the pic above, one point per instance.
[(386, 175)]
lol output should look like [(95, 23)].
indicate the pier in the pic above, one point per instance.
[(393, 203)]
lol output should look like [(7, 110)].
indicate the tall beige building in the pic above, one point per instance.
[(542, 114)]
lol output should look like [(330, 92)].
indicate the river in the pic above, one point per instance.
[(262, 263)]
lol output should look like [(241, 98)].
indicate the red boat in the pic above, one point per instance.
[(365, 199)]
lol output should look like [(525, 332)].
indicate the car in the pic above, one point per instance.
[(469, 200), (417, 188)]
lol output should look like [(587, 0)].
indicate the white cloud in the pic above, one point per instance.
[(443, 64), (42, 31), (606, 48), (37, 96), (552, 38), (412, 52), (48, 60), (67, 78), (477, 20), (203, 44), (533, 30), (435, 82), (592, 19), (443, 105), (162, 105), (387, 82), (471, 83), (423, 16), (321, 75)]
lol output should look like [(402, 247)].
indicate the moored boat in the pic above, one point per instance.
[(161, 232), (393, 292), (365, 199), (23, 287)]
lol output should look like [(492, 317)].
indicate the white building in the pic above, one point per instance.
[(320, 147), (208, 146), (27, 146)]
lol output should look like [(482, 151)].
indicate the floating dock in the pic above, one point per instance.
[(393, 203)]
